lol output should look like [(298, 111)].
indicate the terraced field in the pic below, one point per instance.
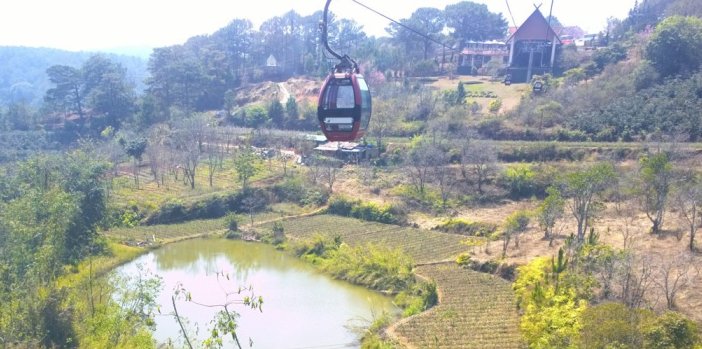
[(476, 310), (167, 232), (424, 246)]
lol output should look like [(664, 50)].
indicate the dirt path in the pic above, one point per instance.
[(284, 93)]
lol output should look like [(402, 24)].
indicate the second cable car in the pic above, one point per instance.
[(344, 108)]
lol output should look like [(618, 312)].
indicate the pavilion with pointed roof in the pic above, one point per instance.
[(532, 48)]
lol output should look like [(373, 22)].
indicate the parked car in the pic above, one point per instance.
[(567, 40), (588, 41)]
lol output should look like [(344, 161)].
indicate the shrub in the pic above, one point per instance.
[(463, 260), (278, 233), (519, 180), (463, 227), (490, 128), (170, 212), (417, 299), (317, 246), (365, 210), (232, 222), (212, 207), (495, 105), (296, 191)]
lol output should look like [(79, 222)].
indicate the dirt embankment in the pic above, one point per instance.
[(299, 88)]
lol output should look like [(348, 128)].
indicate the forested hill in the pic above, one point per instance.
[(23, 70)]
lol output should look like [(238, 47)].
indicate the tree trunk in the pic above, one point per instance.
[(693, 231)]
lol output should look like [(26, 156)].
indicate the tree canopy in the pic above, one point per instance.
[(676, 46)]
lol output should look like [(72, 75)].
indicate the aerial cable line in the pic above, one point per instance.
[(514, 23), (550, 13), (405, 26)]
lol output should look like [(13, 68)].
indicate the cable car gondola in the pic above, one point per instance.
[(344, 108)]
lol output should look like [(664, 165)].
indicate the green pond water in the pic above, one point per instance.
[(302, 308)]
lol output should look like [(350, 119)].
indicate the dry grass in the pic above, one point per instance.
[(510, 95), (151, 194), (611, 227)]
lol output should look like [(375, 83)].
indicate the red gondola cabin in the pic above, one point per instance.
[(344, 109)]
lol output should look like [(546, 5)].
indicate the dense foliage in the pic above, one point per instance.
[(50, 210)]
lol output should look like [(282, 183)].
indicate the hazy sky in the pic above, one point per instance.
[(105, 24)]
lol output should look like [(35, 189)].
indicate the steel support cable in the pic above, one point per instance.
[(405, 26)]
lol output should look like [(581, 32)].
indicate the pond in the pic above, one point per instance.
[(302, 307)]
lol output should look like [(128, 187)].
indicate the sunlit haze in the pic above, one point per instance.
[(108, 24)]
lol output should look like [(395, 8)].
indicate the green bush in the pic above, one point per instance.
[(490, 128), (232, 222), (365, 210), (418, 298), (295, 190), (170, 212), (519, 180), (495, 105), (278, 236), (463, 260), (463, 227), (212, 207), (341, 206), (317, 246)]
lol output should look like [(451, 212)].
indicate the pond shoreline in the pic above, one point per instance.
[(296, 293)]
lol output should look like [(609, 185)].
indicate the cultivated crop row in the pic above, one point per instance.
[(422, 245), (476, 310), (167, 231)]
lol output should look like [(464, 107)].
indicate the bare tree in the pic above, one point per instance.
[(156, 151), (285, 157), (250, 204), (443, 175), (634, 278), (420, 161), (380, 123), (213, 149), (687, 199), (366, 172), (656, 174), (330, 169), (624, 198), (478, 158), (674, 274), (314, 168), (189, 139), (549, 212)]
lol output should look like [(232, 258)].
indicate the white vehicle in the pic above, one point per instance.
[(587, 41)]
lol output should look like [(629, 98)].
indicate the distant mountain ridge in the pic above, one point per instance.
[(23, 70)]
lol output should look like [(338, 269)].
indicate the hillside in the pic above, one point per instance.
[(23, 70), (300, 88), (503, 216)]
